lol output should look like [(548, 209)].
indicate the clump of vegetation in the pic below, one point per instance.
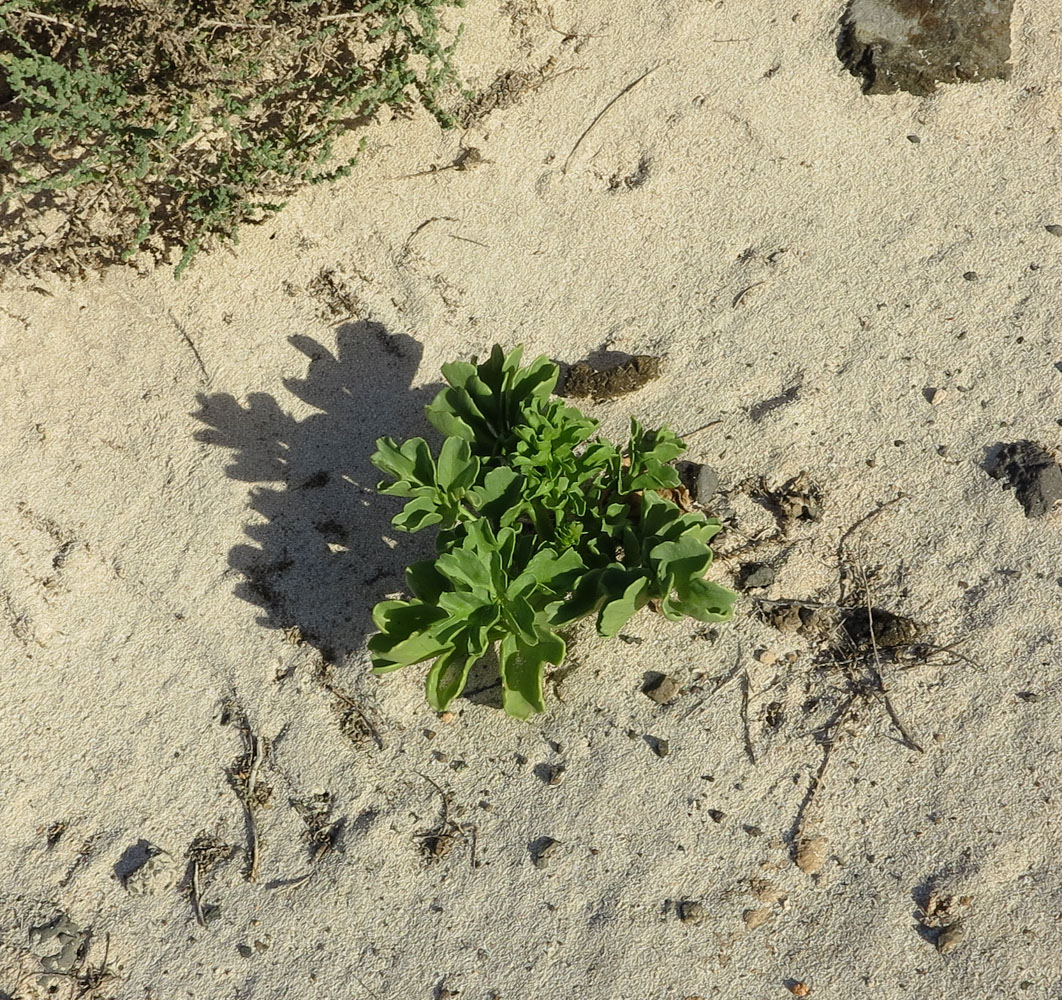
[(162, 124), (540, 524)]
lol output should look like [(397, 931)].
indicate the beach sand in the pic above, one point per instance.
[(860, 290)]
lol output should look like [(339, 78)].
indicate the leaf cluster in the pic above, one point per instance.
[(540, 523), (162, 124)]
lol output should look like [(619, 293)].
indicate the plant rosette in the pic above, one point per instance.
[(540, 524)]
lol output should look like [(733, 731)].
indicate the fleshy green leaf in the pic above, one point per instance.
[(455, 467), (424, 581), (467, 566), (616, 613), (419, 513), (706, 602), (447, 678)]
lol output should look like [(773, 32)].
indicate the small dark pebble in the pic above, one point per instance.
[(541, 850), (662, 748), (717, 815), (752, 831), (1054, 230), (914, 138), (1029, 696), (660, 688), (970, 275), (755, 575), (706, 484), (245, 950), (1032, 472), (690, 912)]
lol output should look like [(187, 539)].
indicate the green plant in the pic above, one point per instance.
[(540, 524), (169, 124)]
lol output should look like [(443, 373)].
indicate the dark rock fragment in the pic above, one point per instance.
[(755, 575), (691, 912), (660, 688), (914, 45), (1032, 472)]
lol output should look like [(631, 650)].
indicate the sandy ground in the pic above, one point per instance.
[(186, 480)]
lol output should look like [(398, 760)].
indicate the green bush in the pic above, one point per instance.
[(167, 123), (540, 524)]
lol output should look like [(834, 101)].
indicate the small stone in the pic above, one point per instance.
[(752, 831), (1029, 696), (706, 484), (800, 989), (1054, 230), (970, 275), (914, 138), (1032, 472), (556, 774), (660, 688), (717, 815), (753, 575), (766, 657), (662, 748), (757, 917), (691, 912), (950, 938), (811, 854), (933, 395), (447, 716), (245, 950), (541, 851)]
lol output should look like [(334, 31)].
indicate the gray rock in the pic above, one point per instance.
[(705, 485), (661, 688), (914, 45), (755, 575), (1032, 472), (541, 851)]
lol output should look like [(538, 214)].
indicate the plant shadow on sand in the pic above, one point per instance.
[(318, 559)]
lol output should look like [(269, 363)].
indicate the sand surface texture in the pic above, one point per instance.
[(863, 294)]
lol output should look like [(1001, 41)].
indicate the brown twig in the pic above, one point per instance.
[(744, 291), (601, 114), (875, 668), (354, 707), (745, 716), (697, 430), (197, 906), (249, 804), (188, 340), (427, 222)]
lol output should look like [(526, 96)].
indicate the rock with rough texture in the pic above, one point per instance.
[(1033, 473), (914, 45)]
